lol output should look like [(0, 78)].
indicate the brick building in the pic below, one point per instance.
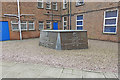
[(100, 19)]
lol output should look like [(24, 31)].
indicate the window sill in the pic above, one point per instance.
[(15, 30), (55, 9), (64, 9), (31, 30), (109, 33), (40, 8), (80, 5), (48, 9), (41, 29), (18, 30)]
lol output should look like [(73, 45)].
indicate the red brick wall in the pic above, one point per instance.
[(28, 8), (93, 13), (93, 18)]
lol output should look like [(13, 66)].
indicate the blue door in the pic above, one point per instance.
[(4, 31), (55, 26)]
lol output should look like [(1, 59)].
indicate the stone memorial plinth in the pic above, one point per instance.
[(64, 39)]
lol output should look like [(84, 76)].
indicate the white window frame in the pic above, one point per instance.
[(78, 2), (33, 25), (47, 23), (43, 25), (64, 3), (65, 22), (41, 1), (48, 3), (55, 4), (23, 23), (79, 20), (112, 24), (15, 24)]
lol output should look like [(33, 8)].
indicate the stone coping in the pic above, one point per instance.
[(64, 30)]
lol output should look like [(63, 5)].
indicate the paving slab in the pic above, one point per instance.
[(39, 66), (67, 75), (29, 74), (116, 74), (65, 70), (95, 79), (0, 72), (12, 74), (92, 75), (77, 72), (8, 63), (70, 79), (51, 73), (110, 75)]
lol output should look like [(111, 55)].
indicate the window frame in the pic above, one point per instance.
[(79, 4), (42, 4), (42, 23), (64, 21), (48, 3), (54, 5), (33, 25), (110, 18), (21, 26), (47, 23), (15, 24), (79, 20), (64, 4)]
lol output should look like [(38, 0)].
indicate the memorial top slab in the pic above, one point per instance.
[(64, 30)]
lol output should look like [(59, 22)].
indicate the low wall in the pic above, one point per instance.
[(64, 39)]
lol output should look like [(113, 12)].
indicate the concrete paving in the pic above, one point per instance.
[(28, 70)]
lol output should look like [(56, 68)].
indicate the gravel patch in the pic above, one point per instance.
[(101, 56)]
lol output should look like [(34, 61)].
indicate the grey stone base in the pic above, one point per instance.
[(64, 40)]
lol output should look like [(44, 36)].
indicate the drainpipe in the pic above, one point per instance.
[(52, 14), (18, 4), (70, 14)]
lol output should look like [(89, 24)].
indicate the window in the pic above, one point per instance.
[(79, 22), (14, 25), (40, 3), (48, 25), (48, 5), (64, 4), (31, 25), (54, 5), (41, 25), (79, 2), (64, 23), (23, 25), (110, 21)]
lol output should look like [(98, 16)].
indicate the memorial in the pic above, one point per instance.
[(64, 39)]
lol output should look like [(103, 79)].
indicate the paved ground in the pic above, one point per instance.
[(23, 70), (101, 56)]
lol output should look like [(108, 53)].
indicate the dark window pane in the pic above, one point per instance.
[(80, 28), (40, 4), (79, 22), (110, 21), (110, 29), (15, 26), (111, 14), (30, 21), (80, 17), (65, 18)]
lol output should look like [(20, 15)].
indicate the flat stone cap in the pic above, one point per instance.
[(64, 30)]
